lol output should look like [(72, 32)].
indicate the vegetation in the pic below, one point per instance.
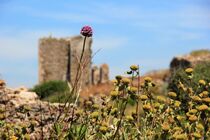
[(200, 52), (53, 91), (183, 114)]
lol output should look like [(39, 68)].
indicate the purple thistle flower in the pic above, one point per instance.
[(86, 31)]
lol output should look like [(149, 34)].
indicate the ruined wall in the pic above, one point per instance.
[(104, 73), (76, 44), (95, 75), (53, 56), (59, 60)]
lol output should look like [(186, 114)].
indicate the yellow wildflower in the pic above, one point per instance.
[(147, 79), (189, 70), (202, 107), (197, 135), (13, 138), (147, 107), (202, 82), (200, 126), (143, 97), (207, 100), (193, 118), (196, 98), (172, 94), (134, 67), (165, 127)]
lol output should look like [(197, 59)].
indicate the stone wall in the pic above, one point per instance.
[(59, 60)]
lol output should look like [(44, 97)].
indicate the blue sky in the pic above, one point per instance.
[(144, 32)]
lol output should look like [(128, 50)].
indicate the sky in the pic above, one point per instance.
[(144, 32)]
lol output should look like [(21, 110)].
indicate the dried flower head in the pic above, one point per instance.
[(86, 31)]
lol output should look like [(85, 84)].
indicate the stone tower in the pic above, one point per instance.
[(59, 59)]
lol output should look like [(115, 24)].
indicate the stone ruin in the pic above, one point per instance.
[(59, 60), (189, 60)]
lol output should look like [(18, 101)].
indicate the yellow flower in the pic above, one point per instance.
[(172, 94), (177, 128), (196, 98), (95, 114), (133, 89), (161, 99), (204, 94), (129, 118), (200, 126), (202, 107), (207, 100), (165, 127), (134, 67), (197, 135), (103, 129), (147, 79), (189, 70), (157, 105), (113, 111), (193, 111), (126, 81), (114, 93), (193, 118), (181, 137), (13, 138), (202, 82), (177, 103), (180, 118), (143, 97), (147, 107), (118, 77)]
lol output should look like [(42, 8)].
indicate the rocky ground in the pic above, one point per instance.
[(23, 108)]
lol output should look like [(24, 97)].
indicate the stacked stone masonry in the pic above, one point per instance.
[(59, 60)]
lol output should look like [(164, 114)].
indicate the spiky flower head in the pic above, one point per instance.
[(86, 31)]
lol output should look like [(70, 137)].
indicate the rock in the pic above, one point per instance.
[(190, 60)]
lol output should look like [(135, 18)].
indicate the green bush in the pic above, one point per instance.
[(54, 91)]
